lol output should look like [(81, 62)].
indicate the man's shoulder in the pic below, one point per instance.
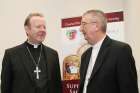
[(15, 48), (118, 47), (119, 44), (49, 49)]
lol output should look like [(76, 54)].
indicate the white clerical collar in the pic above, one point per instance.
[(35, 45), (99, 43)]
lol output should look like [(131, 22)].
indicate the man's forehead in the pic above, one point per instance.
[(37, 19)]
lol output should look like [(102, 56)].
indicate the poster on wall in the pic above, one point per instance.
[(73, 46)]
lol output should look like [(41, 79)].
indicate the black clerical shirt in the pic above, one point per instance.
[(42, 81)]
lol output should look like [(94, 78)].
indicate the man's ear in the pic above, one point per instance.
[(26, 29)]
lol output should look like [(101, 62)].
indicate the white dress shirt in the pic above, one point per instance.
[(95, 51)]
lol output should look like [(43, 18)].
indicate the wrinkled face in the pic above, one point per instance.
[(89, 27), (36, 31)]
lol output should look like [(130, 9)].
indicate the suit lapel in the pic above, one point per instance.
[(86, 62), (101, 56), (26, 61)]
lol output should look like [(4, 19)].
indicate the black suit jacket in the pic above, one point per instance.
[(114, 70), (16, 76)]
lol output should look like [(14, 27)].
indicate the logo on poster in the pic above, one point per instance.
[(71, 34)]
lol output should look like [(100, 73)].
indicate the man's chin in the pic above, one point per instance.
[(40, 39)]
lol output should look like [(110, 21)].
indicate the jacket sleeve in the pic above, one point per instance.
[(6, 74), (126, 71)]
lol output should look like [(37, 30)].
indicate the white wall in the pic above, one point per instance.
[(13, 13), (132, 25)]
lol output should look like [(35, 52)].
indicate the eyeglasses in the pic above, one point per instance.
[(84, 23)]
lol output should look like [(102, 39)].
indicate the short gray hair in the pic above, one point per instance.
[(101, 15)]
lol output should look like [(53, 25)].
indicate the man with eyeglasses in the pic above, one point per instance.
[(108, 66)]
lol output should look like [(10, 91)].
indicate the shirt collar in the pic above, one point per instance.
[(34, 45)]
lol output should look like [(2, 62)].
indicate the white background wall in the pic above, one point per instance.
[(13, 13), (132, 26)]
